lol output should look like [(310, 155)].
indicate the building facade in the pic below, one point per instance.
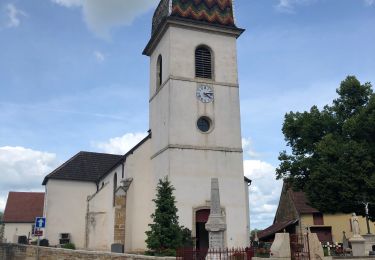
[(294, 214), (195, 135), (20, 212)]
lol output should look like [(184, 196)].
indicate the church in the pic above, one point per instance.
[(95, 200)]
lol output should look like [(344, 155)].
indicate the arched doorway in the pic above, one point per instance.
[(201, 217)]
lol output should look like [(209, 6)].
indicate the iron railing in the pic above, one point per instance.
[(217, 254), (299, 246)]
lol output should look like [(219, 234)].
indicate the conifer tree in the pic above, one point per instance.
[(165, 235)]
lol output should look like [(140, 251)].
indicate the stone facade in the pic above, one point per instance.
[(120, 211), (23, 252)]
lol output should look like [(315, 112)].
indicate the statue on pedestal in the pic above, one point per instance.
[(357, 241), (355, 225)]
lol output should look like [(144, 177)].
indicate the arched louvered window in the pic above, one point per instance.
[(159, 72), (203, 63), (114, 188)]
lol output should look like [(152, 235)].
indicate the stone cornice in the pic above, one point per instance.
[(198, 148), (190, 24), (194, 80)]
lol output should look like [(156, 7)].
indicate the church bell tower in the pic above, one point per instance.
[(195, 112)]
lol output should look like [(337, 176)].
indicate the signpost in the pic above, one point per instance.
[(40, 222), (38, 232)]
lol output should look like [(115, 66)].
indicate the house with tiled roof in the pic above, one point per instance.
[(99, 200), (294, 214), (20, 212)]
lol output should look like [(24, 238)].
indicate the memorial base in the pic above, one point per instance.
[(216, 240), (358, 246), (370, 243)]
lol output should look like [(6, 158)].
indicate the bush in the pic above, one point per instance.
[(187, 241), (166, 252), (150, 253), (68, 246)]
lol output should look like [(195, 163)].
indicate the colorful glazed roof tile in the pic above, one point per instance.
[(219, 12)]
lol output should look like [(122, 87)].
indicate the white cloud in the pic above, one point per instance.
[(120, 145), (247, 146), (369, 2), (100, 57), (101, 16), (2, 203), (288, 6), (12, 16), (264, 192), (23, 169), (69, 3)]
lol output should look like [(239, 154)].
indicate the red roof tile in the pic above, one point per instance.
[(23, 207), (302, 203)]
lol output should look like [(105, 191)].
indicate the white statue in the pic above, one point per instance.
[(355, 225)]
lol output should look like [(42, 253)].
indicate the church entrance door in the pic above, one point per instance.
[(201, 217)]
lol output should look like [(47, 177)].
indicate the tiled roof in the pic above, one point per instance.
[(219, 12), (302, 203), (276, 227), (85, 166), (91, 167), (23, 207)]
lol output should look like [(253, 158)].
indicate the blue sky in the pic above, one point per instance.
[(72, 78)]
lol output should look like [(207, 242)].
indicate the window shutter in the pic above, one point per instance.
[(203, 63)]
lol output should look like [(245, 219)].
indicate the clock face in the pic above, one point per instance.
[(205, 93)]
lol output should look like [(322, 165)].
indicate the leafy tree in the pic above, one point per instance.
[(1, 216), (332, 154), (166, 235)]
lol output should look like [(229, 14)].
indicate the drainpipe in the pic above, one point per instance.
[(87, 222)]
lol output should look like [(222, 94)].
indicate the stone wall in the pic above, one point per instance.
[(26, 252), (120, 211)]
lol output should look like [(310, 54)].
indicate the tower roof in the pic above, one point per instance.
[(218, 12), (209, 15)]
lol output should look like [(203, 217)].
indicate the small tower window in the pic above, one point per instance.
[(159, 72), (203, 63)]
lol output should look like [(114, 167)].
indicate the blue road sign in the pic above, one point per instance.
[(40, 222)]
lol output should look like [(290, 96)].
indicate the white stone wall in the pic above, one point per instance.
[(178, 149), (193, 186), (139, 205), (65, 209), (13, 230), (175, 108), (101, 210), (247, 199)]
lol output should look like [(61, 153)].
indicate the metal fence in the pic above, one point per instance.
[(299, 246), (217, 254)]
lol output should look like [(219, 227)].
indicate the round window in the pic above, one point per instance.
[(204, 124)]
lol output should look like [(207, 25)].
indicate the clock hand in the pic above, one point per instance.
[(208, 94)]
